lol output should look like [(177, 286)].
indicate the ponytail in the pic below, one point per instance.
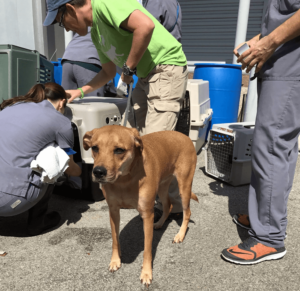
[(38, 93)]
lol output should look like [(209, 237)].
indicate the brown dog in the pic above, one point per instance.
[(133, 170)]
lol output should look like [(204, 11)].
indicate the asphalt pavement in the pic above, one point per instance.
[(76, 255)]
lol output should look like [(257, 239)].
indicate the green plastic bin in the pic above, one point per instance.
[(20, 69)]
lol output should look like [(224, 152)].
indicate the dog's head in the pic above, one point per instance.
[(114, 148)]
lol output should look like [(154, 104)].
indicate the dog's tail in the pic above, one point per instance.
[(194, 197)]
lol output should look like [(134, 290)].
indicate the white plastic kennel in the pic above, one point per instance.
[(228, 152), (196, 112)]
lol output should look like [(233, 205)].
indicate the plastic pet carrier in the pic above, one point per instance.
[(20, 69), (195, 112), (228, 152), (87, 114)]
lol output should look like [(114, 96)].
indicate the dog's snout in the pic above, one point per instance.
[(99, 172)]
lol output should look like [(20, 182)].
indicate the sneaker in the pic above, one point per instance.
[(243, 221), (252, 252)]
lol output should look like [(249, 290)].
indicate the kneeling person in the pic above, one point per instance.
[(27, 125)]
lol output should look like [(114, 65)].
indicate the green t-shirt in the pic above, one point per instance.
[(114, 43)]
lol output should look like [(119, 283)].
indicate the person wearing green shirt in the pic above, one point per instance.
[(127, 35)]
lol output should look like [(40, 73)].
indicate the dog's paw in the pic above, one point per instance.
[(178, 238), (114, 266), (146, 277)]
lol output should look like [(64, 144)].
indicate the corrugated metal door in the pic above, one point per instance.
[(209, 27)]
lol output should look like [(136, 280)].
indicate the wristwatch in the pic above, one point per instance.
[(127, 71)]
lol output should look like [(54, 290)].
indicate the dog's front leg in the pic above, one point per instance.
[(146, 275), (115, 263)]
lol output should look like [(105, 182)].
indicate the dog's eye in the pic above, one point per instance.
[(95, 149), (119, 151)]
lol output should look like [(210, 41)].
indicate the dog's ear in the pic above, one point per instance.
[(137, 139), (87, 140)]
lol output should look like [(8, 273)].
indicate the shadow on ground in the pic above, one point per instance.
[(70, 210), (237, 199), (132, 239)]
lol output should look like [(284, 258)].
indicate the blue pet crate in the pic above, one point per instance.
[(57, 71)]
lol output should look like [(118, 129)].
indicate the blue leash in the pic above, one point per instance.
[(176, 18)]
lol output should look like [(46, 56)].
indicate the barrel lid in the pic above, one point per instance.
[(218, 65)]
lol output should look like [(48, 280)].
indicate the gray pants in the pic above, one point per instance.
[(274, 157), (75, 76), (11, 205)]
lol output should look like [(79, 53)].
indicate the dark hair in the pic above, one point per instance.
[(78, 3), (39, 93)]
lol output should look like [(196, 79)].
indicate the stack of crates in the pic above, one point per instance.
[(20, 69)]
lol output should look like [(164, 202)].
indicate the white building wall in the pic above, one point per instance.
[(21, 24), (16, 23)]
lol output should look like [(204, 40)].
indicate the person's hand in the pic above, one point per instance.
[(258, 53), (74, 94), (250, 43), (127, 79)]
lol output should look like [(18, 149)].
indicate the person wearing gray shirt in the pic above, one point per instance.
[(168, 13), (276, 53), (30, 123), (81, 64)]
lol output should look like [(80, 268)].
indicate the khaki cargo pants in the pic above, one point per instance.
[(156, 102)]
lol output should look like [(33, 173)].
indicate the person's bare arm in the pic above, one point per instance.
[(142, 27), (263, 49), (107, 73), (74, 169)]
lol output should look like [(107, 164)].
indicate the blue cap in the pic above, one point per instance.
[(52, 6)]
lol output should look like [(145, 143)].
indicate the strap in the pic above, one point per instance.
[(128, 105), (170, 30), (89, 66)]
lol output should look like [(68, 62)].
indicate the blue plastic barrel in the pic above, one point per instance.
[(225, 83), (57, 71)]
